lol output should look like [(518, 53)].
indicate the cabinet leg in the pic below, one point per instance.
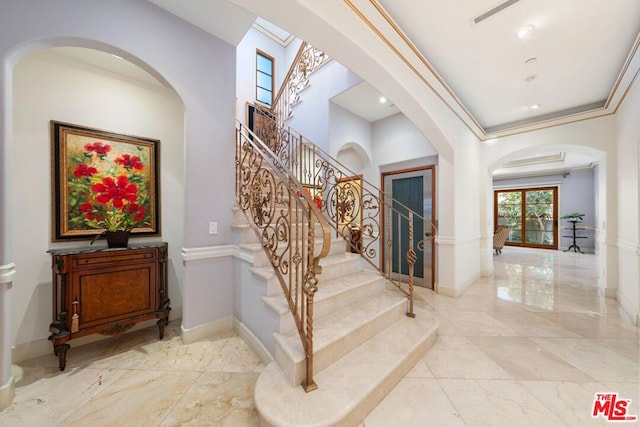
[(60, 350), (161, 324)]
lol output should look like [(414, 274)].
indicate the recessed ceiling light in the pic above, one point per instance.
[(530, 78), (524, 31), (534, 106), (530, 60), (383, 100)]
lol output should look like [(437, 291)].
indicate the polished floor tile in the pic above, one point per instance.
[(529, 346)]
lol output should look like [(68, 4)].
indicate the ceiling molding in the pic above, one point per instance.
[(537, 160), (375, 17)]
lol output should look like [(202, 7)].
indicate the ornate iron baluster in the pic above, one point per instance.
[(283, 216)]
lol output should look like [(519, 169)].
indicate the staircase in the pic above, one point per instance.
[(363, 342), (338, 315)]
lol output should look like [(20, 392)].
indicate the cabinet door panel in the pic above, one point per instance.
[(114, 294)]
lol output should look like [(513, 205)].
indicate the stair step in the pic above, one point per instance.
[(248, 234), (339, 333), (338, 247), (332, 295), (352, 386)]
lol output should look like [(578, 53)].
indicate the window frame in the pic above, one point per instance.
[(271, 59)]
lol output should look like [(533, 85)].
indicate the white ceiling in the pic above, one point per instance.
[(583, 52), (580, 48), (587, 54)]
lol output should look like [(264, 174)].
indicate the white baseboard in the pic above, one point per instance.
[(447, 290), (252, 341), (628, 308), (224, 325), (456, 292), (7, 392), (208, 330)]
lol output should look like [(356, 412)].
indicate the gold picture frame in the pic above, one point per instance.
[(97, 174)]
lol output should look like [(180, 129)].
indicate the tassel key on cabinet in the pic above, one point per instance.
[(75, 319)]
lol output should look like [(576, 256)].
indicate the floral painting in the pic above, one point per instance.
[(103, 181)]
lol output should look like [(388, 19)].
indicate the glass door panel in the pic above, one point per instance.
[(510, 214), (539, 207), (530, 214), (413, 189)]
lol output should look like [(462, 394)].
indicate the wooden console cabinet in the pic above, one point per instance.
[(106, 291)]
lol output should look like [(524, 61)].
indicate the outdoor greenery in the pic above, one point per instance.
[(538, 213)]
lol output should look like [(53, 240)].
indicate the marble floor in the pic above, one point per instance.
[(529, 346)]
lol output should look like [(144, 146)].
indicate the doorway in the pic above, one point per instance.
[(531, 215), (409, 189)]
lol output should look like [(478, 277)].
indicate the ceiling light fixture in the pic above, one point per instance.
[(383, 100), (530, 60), (534, 106), (524, 31)]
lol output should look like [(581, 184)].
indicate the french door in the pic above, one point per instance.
[(531, 215), (410, 189)]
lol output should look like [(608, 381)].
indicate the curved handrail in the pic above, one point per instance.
[(349, 200), (284, 218)]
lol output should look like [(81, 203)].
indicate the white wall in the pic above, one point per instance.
[(200, 69), (396, 139), (346, 128), (246, 67), (628, 207), (50, 86), (311, 114)]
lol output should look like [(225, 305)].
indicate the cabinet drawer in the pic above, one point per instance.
[(113, 257)]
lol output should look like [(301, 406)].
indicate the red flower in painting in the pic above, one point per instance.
[(89, 212), (109, 187), (129, 162), (118, 191), (84, 170), (98, 147), (137, 211)]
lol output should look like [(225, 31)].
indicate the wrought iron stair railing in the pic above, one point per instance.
[(307, 60), (355, 209), (289, 226)]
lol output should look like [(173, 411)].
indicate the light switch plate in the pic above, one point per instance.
[(213, 228)]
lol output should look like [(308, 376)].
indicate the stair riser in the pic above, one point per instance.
[(329, 272), (351, 265), (248, 235), (260, 258), (323, 357), (325, 306), (240, 216)]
